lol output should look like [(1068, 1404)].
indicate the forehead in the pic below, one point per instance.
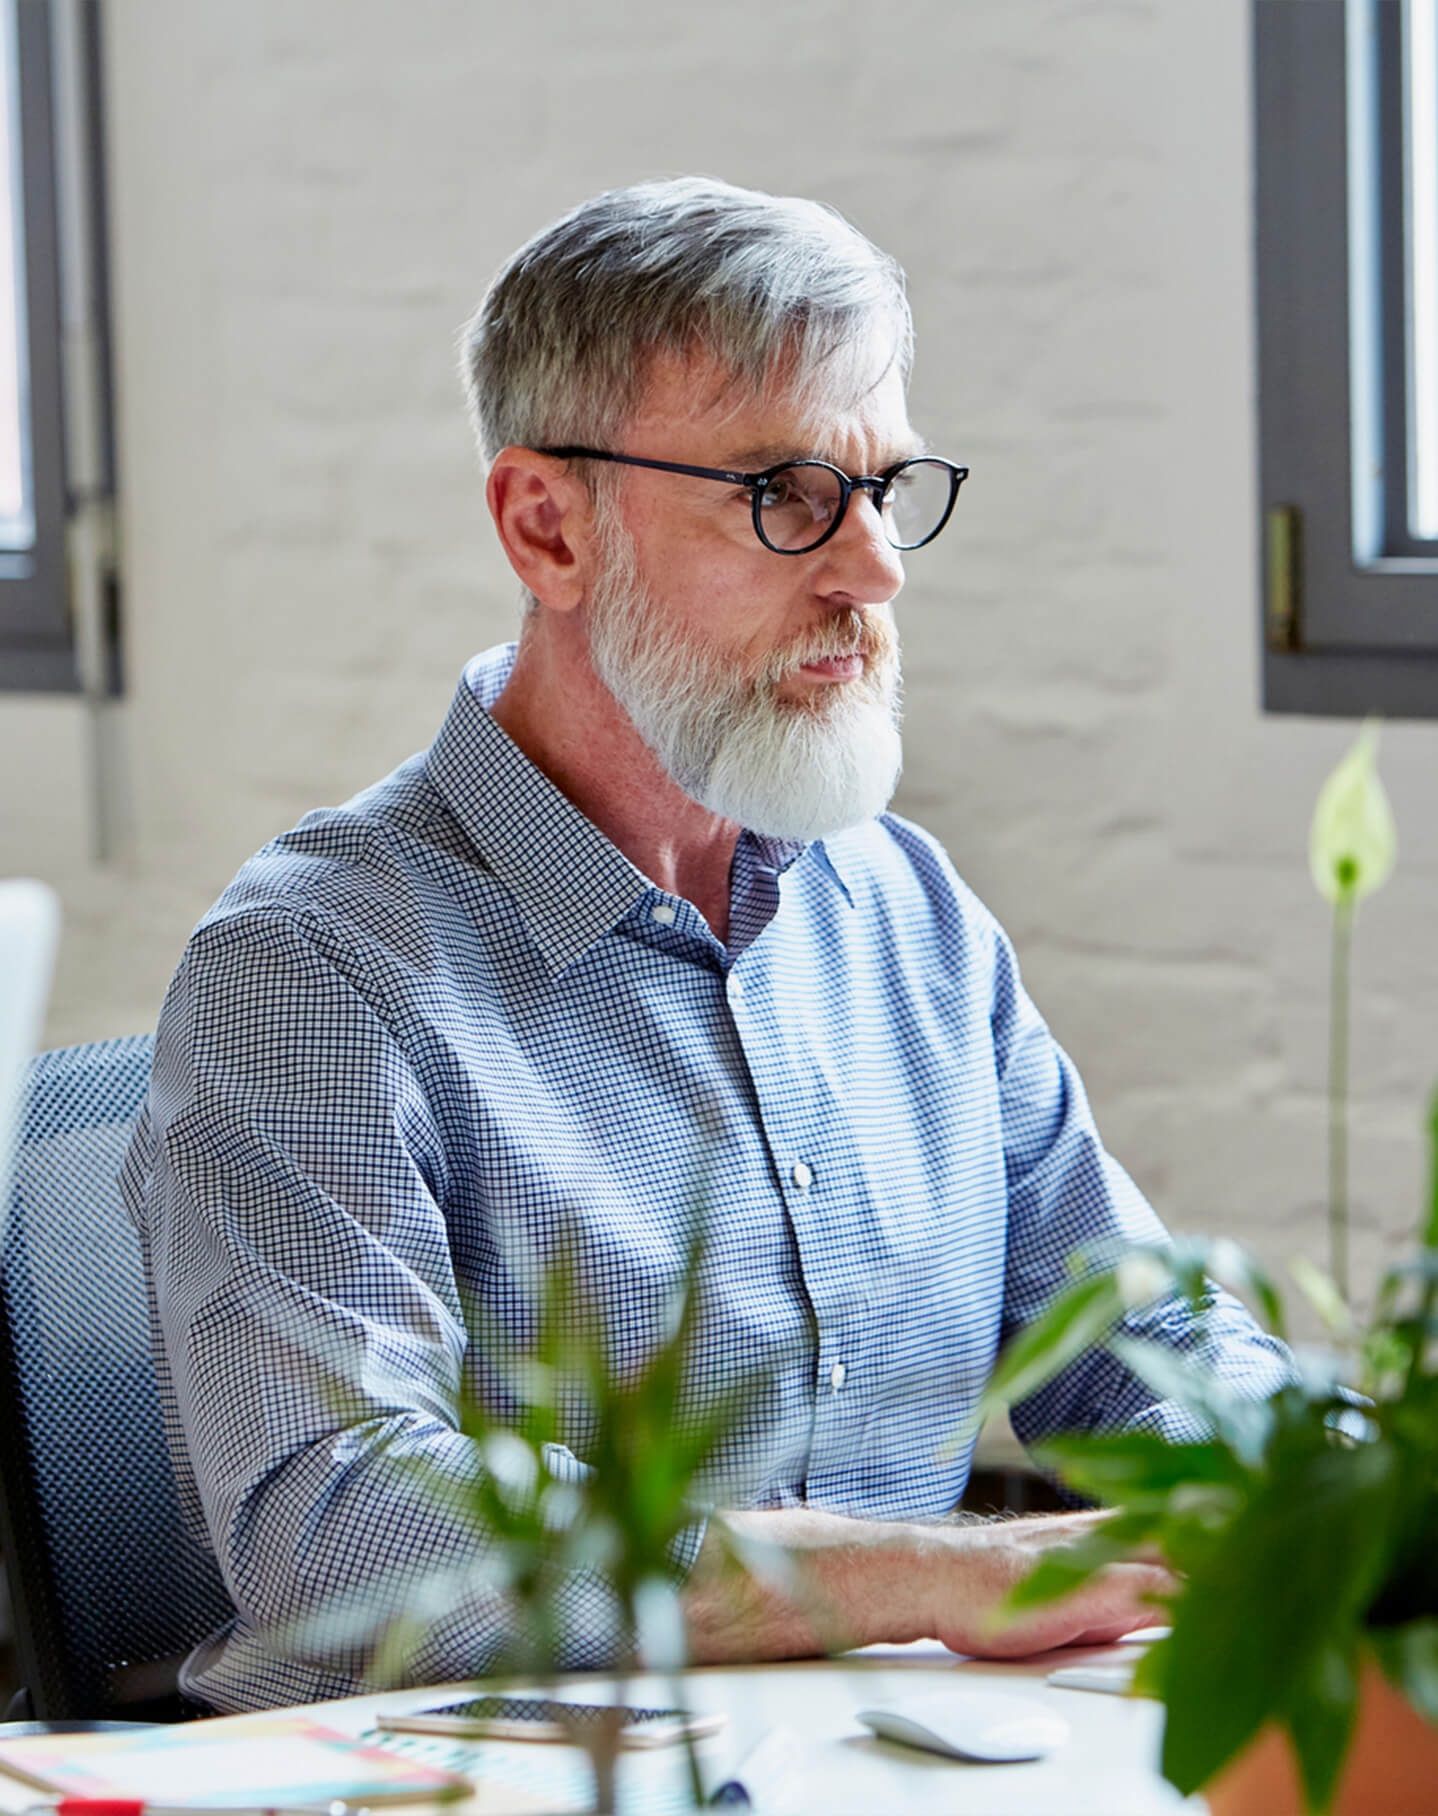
[(696, 401)]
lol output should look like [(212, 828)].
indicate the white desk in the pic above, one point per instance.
[(1107, 1768)]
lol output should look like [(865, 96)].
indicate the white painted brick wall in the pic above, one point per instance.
[(309, 198)]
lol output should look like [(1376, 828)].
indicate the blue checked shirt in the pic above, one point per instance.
[(425, 1033)]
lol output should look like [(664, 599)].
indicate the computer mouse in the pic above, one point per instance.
[(968, 1722)]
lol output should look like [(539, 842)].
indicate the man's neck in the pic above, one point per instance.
[(572, 729)]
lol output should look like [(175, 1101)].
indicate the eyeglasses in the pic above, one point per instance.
[(799, 506)]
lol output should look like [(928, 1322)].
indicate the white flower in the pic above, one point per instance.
[(1353, 844)]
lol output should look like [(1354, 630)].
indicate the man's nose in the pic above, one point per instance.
[(862, 563)]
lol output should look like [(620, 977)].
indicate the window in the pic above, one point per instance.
[(58, 595), (1346, 96)]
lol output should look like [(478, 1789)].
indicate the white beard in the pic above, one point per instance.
[(784, 769)]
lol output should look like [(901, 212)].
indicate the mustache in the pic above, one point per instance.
[(851, 632)]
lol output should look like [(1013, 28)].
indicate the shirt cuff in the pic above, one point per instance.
[(685, 1546), (683, 1549)]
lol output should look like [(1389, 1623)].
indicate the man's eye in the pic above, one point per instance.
[(777, 493)]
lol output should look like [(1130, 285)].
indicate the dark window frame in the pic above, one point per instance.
[(36, 649), (1342, 635), (59, 602)]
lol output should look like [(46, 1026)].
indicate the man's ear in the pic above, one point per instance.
[(545, 521)]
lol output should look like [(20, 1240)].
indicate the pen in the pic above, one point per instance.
[(763, 1776)]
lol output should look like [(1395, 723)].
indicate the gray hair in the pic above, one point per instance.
[(559, 350)]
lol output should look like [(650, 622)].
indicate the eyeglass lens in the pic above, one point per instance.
[(798, 505)]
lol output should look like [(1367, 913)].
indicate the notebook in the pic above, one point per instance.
[(279, 1759)]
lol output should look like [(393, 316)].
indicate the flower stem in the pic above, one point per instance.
[(1338, 1094), (602, 1740)]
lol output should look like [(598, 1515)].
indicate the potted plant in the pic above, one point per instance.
[(1302, 1662), (657, 1450)]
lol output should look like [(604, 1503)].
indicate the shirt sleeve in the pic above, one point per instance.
[(311, 1323), (1066, 1193)]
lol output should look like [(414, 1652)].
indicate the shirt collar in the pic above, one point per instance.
[(835, 862), (780, 855), (570, 884)]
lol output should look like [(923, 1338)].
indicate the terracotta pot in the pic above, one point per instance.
[(1391, 1769)]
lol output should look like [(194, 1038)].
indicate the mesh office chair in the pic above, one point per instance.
[(108, 1589)]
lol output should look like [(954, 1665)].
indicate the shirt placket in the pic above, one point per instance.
[(805, 1167)]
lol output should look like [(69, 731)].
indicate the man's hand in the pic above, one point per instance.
[(859, 1582), (984, 1562)]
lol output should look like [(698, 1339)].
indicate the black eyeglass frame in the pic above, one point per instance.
[(875, 484)]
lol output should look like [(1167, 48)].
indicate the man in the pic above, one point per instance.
[(637, 930)]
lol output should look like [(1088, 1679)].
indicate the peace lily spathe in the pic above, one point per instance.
[(1352, 848), (1353, 844)]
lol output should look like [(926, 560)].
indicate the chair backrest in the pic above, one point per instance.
[(29, 927), (109, 1591)]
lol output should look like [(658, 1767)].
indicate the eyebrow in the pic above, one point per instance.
[(776, 454)]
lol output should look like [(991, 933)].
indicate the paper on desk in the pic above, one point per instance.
[(282, 1759), (1116, 1679), (1112, 1669), (770, 1774), (935, 1652), (511, 1778)]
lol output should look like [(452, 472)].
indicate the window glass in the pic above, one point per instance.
[(17, 514), (1420, 84)]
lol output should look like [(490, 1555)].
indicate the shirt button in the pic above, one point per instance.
[(664, 913), (836, 1376), (736, 987), (801, 1175)]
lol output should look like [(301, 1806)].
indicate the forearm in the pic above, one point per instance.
[(834, 1583), (847, 1583)]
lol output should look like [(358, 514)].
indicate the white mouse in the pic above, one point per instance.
[(968, 1722)]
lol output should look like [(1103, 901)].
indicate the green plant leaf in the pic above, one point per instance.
[(1298, 1566), (1068, 1567), (1073, 1321), (1321, 1292), (1353, 844), (1320, 1717), (1411, 1277), (1408, 1656), (1150, 1670), (1231, 1266), (1244, 1424), (1136, 1468), (1430, 1233)]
